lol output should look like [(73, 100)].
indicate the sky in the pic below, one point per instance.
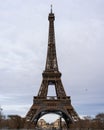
[(79, 36)]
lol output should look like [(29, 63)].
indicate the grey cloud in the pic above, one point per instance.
[(23, 46)]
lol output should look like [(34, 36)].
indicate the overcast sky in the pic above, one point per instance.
[(79, 33)]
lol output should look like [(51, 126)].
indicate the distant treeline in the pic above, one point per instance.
[(87, 123)]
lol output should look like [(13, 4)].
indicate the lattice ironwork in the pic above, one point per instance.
[(59, 104)]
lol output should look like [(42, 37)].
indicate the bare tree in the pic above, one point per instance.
[(15, 122)]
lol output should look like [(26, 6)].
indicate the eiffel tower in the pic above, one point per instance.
[(59, 104)]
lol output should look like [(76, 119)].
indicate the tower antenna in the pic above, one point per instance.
[(51, 8)]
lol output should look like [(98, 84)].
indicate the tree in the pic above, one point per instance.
[(0, 117), (15, 122), (100, 117), (0, 113), (99, 121)]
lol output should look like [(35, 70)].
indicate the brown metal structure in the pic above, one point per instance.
[(59, 104)]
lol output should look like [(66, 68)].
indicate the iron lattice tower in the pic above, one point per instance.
[(59, 104)]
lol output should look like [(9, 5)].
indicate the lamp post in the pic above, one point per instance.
[(60, 123)]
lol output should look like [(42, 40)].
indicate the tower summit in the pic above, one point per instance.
[(44, 104)]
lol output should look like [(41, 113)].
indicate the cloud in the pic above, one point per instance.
[(23, 46)]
